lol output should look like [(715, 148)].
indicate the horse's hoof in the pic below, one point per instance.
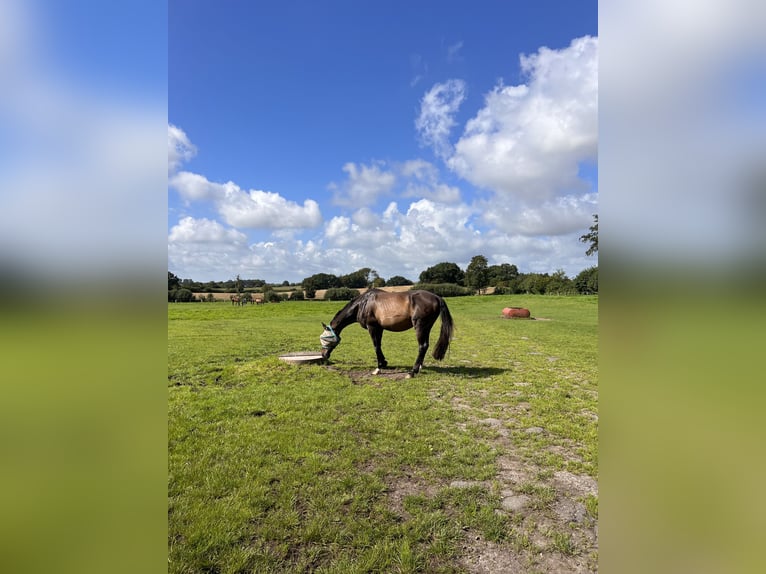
[(376, 372), (408, 376)]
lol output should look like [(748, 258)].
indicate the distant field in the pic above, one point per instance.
[(485, 462)]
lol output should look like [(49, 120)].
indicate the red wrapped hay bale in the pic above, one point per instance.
[(516, 313)]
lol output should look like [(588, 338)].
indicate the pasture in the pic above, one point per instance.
[(484, 462)]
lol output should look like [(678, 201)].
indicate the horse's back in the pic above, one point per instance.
[(392, 311), (425, 301)]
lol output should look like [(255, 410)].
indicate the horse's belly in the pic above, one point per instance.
[(397, 324)]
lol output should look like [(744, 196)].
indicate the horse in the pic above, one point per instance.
[(378, 310)]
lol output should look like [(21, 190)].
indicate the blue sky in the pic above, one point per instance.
[(309, 137)]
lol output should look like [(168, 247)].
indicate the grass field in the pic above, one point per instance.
[(484, 462)]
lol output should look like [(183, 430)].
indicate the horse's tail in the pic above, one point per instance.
[(446, 331)]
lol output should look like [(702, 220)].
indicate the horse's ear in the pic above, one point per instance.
[(323, 325)]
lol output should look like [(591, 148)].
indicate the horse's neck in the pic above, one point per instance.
[(344, 318)]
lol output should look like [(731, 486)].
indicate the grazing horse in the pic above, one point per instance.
[(377, 310)]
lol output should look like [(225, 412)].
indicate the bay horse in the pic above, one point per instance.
[(377, 310)]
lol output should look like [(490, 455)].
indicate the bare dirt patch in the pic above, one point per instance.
[(397, 489), (552, 529), (376, 379), (550, 513), (368, 377)]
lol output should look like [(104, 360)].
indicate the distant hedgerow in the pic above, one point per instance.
[(341, 294), (444, 289)]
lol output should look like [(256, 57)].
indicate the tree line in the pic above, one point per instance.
[(447, 278)]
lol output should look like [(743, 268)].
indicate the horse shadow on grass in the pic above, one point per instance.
[(466, 372), (359, 375)]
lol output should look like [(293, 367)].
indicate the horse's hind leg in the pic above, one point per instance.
[(376, 334), (423, 332)]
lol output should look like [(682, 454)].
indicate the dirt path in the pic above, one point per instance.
[(553, 531)]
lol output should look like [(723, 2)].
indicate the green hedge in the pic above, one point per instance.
[(340, 294), (444, 289)]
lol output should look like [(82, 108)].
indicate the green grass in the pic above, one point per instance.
[(282, 468)]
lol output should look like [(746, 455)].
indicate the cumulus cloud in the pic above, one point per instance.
[(253, 209), (423, 181), (436, 119), (529, 140), (191, 230), (559, 216), (257, 209), (195, 187), (204, 248), (364, 185), (398, 242), (435, 231)]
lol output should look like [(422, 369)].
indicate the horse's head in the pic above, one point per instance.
[(329, 340)]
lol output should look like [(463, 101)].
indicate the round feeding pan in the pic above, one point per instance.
[(302, 358)]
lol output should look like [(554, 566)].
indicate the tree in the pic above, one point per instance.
[(477, 273), (398, 280), (320, 281), (173, 281), (444, 272), (504, 274), (560, 284), (535, 283), (359, 279), (586, 281), (378, 282), (592, 236), (180, 296)]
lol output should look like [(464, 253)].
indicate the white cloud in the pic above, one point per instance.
[(252, 209), (204, 250), (191, 230), (394, 242), (436, 119), (266, 210), (529, 140), (539, 254), (423, 182), (180, 148), (558, 216), (364, 185), (399, 243), (195, 187)]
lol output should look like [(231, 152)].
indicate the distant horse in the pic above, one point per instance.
[(377, 310), (238, 300)]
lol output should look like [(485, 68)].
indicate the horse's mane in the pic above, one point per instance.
[(364, 300), (355, 308)]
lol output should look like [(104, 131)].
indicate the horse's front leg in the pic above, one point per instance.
[(376, 334)]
